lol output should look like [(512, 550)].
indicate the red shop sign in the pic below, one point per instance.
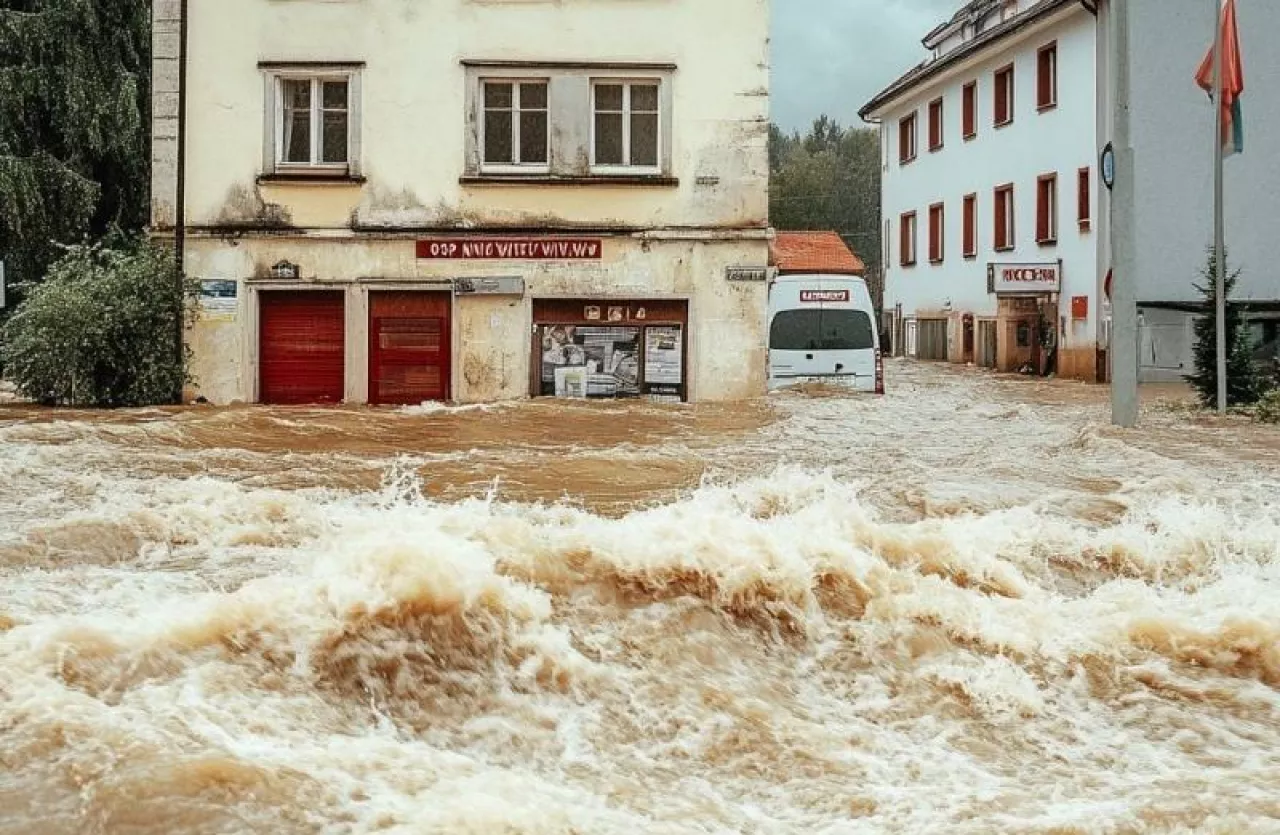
[(512, 249)]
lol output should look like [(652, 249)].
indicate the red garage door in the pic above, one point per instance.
[(409, 345), (301, 347)]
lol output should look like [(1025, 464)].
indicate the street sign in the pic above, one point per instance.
[(1108, 166)]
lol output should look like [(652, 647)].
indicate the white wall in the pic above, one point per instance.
[(1062, 140)]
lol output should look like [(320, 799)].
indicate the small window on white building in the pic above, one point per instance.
[(626, 126), (516, 127), (312, 121)]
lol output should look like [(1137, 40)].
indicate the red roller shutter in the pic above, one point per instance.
[(409, 342), (301, 347)]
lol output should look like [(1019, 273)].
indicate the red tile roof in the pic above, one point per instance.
[(814, 252)]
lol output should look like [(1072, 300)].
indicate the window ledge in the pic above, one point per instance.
[(284, 178), (1005, 248), (970, 256), (1085, 225), (933, 149), (1047, 242), (906, 161), (1004, 124), (1045, 108), (637, 180), (969, 137), (936, 261)]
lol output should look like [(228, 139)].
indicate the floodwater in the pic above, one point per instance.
[(968, 607)]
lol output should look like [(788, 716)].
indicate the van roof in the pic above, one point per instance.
[(817, 253)]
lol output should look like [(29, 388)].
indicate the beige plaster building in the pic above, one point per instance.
[(467, 200)]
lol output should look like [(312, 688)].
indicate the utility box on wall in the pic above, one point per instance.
[(1079, 307)]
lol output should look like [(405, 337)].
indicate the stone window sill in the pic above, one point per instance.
[(633, 180), (291, 179)]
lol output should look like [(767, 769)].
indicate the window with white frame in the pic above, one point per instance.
[(516, 127), (626, 125), (313, 121)]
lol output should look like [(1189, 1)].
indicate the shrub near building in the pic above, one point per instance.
[(100, 330)]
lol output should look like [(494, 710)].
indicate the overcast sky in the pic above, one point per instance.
[(832, 56)]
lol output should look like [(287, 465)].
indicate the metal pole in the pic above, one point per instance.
[(1124, 295), (1219, 231)]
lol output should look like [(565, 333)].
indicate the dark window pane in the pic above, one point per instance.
[(533, 96), (608, 97), (821, 330), (335, 95), (335, 137), (497, 137), (609, 139), (644, 97), (644, 139), (297, 94), (497, 95), (533, 137), (297, 136)]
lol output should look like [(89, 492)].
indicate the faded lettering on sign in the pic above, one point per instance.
[(507, 249), (827, 296)]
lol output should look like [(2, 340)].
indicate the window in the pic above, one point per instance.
[(1004, 230), (970, 101), (515, 126), (907, 239), (626, 129), (937, 233), (970, 226), (907, 139), (888, 246), (935, 125), (1084, 204), (1047, 77), (1003, 93), (313, 121), (821, 330), (1047, 209)]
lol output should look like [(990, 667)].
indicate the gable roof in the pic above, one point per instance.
[(814, 252), (930, 68)]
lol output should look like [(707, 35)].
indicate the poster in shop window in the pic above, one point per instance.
[(664, 364), (590, 362)]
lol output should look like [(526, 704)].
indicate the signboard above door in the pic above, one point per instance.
[(1024, 279), (511, 249)]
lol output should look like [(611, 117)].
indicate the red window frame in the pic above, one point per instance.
[(907, 239), (971, 225), (1005, 232), (1047, 77), (1003, 96), (907, 139), (936, 137), (1047, 209), (937, 233), (1084, 200), (969, 102)]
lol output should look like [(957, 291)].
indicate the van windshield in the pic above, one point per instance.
[(821, 330)]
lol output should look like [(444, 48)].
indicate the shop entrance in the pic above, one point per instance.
[(610, 349), (409, 343), (301, 347)]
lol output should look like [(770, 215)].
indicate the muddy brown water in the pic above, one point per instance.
[(971, 606)]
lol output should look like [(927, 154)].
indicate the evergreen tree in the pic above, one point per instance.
[(74, 109), (1244, 383)]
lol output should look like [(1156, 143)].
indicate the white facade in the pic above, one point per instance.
[(690, 203), (1058, 140)]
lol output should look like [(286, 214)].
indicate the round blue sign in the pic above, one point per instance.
[(1108, 166)]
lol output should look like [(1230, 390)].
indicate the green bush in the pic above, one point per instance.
[(1268, 409), (100, 330)]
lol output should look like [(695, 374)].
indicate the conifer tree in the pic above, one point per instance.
[(74, 108), (1244, 383)]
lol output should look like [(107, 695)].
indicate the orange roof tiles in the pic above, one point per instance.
[(814, 252)]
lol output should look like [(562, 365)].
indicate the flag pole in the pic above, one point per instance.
[(1219, 230)]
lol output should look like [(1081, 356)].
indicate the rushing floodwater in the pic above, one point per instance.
[(969, 607)]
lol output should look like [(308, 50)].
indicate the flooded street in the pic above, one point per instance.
[(969, 607)]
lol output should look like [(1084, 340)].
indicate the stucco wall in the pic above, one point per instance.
[(1172, 123), (413, 102), (1061, 140)]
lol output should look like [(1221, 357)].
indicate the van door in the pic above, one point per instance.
[(820, 330)]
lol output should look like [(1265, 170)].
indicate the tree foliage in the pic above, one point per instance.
[(74, 103), (101, 329), (1244, 383), (828, 178)]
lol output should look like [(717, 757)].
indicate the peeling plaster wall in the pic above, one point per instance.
[(414, 110)]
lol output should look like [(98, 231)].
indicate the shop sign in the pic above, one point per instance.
[(512, 249), (746, 273), (1023, 279), (218, 298), (502, 286), (824, 296)]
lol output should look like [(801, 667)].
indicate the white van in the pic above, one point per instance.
[(822, 328)]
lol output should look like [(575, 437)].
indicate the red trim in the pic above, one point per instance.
[(937, 233), (969, 99), (1047, 77), (907, 139), (971, 225), (1003, 96), (907, 239), (1005, 218), (1084, 202), (936, 133), (1047, 209)]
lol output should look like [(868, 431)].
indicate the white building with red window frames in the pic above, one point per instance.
[(393, 202), (990, 191)]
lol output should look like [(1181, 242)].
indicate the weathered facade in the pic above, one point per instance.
[(469, 200)]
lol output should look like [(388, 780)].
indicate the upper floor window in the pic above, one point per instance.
[(1084, 203), (969, 104), (1047, 209), (1003, 92), (1047, 77), (312, 122), (1004, 226), (907, 139), (626, 127), (970, 226), (907, 239), (937, 233), (516, 127), (935, 125)]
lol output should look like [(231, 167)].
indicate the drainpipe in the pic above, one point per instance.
[(180, 197)]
